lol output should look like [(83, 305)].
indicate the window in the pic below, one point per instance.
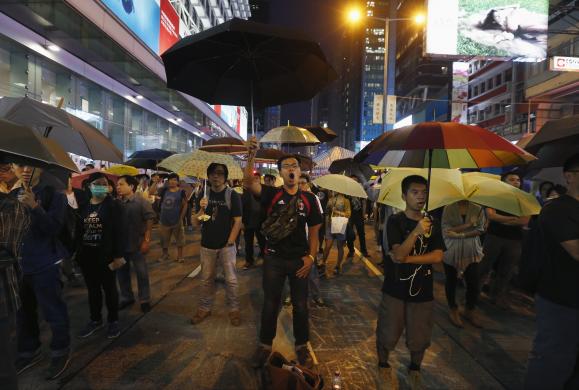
[(508, 75), (483, 87), (489, 84), (476, 91), (499, 79)]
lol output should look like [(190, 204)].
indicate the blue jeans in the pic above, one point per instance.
[(209, 259), (124, 277), (555, 349), (43, 290)]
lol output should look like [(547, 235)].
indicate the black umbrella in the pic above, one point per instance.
[(556, 142), (148, 158), (349, 167), (246, 63), (324, 134)]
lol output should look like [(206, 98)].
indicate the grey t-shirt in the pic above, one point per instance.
[(171, 207)]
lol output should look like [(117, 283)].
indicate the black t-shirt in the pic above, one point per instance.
[(501, 230), (94, 218), (356, 207), (410, 282), (296, 245), (215, 231), (559, 280)]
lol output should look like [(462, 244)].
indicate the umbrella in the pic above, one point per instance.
[(324, 134), (350, 167), (225, 145), (152, 154), (325, 159), (289, 135), (556, 142), (72, 133), (23, 145), (499, 195), (78, 179), (446, 187), (143, 163), (341, 184), (122, 170), (195, 164), (442, 145), (249, 64)]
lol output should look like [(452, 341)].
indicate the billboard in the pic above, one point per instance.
[(497, 29), (459, 92), (168, 27), (564, 64), (236, 117)]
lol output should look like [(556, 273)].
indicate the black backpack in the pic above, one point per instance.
[(533, 257)]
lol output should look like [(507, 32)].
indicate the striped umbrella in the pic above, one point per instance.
[(442, 145)]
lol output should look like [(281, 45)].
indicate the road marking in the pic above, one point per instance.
[(370, 265), (195, 272), (311, 349)]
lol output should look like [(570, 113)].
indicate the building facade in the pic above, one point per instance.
[(107, 71)]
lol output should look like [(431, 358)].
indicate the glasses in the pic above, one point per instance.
[(290, 166)]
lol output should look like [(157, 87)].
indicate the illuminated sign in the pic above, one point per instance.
[(565, 64), (470, 28)]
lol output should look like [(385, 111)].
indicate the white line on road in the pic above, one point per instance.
[(195, 272), (370, 265)]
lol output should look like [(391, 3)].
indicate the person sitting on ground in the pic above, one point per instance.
[(415, 243)]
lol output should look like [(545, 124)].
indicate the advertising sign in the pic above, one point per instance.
[(459, 92), (390, 109), (169, 27), (236, 117), (472, 28), (377, 109), (141, 17), (565, 64)]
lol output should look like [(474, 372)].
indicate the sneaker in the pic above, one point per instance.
[(415, 380), (287, 301), (319, 302), (181, 260), (57, 366), (24, 363), (125, 304), (235, 318), (145, 307), (90, 328), (200, 316), (389, 378), (114, 330), (260, 357), (304, 357), (455, 318), (163, 258), (473, 317)]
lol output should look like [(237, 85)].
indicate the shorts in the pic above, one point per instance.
[(167, 232)]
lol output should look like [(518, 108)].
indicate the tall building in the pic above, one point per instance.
[(102, 58)]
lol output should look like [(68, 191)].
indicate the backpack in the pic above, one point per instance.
[(533, 257), (280, 374), (282, 222)]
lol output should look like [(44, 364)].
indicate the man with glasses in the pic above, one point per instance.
[(220, 219), (290, 251)]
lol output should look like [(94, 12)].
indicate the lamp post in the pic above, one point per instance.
[(354, 16)]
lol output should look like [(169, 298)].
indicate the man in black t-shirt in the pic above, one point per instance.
[(415, 243), (289, 255), (502, 247), (553, 360), (220, 219), (357, 221)]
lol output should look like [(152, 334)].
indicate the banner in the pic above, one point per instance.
[(459, 92), (169, 27), (377, 109), (564, 64), (474, 28), (391, 109)]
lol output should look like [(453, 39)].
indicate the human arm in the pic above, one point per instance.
[(572, 247), (235, 229), (309, 259), (250, 181), (203, 203), (507, 219), (401, 248), (183, 206), (236, 215)]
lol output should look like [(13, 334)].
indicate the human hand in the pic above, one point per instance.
[(203, 203), (145, 245), (423, 226), (252, 145), (27, 198), (304, 271)]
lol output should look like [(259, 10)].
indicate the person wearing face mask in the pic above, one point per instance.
[(101, 254), (41, 286)]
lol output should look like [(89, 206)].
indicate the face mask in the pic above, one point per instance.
[(99, 191)]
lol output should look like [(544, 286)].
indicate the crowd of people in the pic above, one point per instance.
[(105, 230)]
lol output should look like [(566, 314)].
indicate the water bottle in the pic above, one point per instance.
[(337, 381)]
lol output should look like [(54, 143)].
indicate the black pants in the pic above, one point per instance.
[(275, 271), (471, 279), (8, 378), (98, 278), (249, 233), (351, 236)]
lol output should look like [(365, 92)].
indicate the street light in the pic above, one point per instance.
[(354, 16)]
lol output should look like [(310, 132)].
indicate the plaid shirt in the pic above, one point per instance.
[(14, 221)]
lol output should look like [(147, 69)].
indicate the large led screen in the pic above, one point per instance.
[(488, 29)]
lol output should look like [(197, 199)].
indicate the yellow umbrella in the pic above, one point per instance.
[(499, 195), (121, 170), (341, 184), (289, 135), (446, 186), (195, 164)]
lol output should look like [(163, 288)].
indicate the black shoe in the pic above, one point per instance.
[(304, 357), (260, 357), (57, 366), (350, 254), (145, 307), (114, 330), (24, 363), (125, 304), (90, 328)]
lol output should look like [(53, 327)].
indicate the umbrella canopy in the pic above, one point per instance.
[(325, 159), (143, 163), (78, 179), (289, 135), (499, 195), (23, 145), (556, 142), (349, 167), (445, 188), (122, 170), (151, 154), (70, 132), (324, 134), (341, 184), (195, 164), (225, 145), (247, 63)]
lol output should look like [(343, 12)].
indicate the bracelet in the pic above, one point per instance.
[(312, 257)]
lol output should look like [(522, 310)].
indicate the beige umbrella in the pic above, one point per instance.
[(289, 135), (341, 184), (195, 164)]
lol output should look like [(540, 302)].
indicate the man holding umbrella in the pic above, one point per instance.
[(289, 251)]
